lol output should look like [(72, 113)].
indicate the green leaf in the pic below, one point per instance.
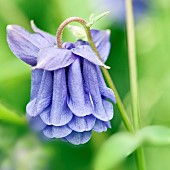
[(155, 135), (121, 145), (93, 19), (115, 149), (10, 116)]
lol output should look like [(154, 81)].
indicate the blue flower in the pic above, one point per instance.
[(69, 97)]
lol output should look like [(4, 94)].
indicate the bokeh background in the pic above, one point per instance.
[(20, 148)]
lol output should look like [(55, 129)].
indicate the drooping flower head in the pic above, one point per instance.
[(69, 97)]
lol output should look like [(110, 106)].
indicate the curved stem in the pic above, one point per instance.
[(64, 24), (133, 77), (121, 108)]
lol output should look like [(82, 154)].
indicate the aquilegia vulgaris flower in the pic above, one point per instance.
[(69, 97)]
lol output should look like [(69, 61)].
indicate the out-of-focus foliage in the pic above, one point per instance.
[(21, 149), (148, 136)]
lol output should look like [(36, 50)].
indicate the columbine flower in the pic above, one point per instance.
[(69, 97)]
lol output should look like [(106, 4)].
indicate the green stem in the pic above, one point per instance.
[(121, 108), (133, 77), (140, 159), (132, 63), (10, 116), (119, 103)]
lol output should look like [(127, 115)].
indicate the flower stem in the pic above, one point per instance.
[(121, 108), (133, 77), (10, 116), (119, 103), (132, 64)]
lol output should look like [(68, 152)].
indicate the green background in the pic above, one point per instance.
[(21, 149)]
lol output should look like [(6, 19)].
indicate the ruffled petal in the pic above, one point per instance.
[(56, 131), (91, 82), (36, 77), (81, 124), (78, 138), (108, 107), (102, 42), (50, 38), (78, 101), (24, 44), (108, 93), (53, 58), (87, 53), (59, 113), (101, 126), (104, 90), (44, 96)]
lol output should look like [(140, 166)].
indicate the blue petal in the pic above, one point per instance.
[(81, 124), (107, 93), (101, 126), (36, 123), (86, 52), (102, 42), (91, 82), (78, 101), (108, 106), (56, 131), (24, 44), (104, 90), (36, 78), (78, 138), (59, 113), (50, 38), (44, 96), (68, 45), (53, 58)]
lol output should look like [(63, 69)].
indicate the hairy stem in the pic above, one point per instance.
[(123, 113)]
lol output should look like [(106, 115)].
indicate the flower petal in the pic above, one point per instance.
[(104, 90), (36, 77), (44, 96), (56, 131), (102, 42), (53, 58), (36, 123), (78, 138), (24, 44), (86, 52), (108, 107), (101, 126), (78, 101), (81, 124), (91, 82), (50, 38), (59, 114)]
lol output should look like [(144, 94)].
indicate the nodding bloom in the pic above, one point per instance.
[(69, 97)]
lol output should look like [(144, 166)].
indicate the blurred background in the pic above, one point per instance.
[(20, 148)]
